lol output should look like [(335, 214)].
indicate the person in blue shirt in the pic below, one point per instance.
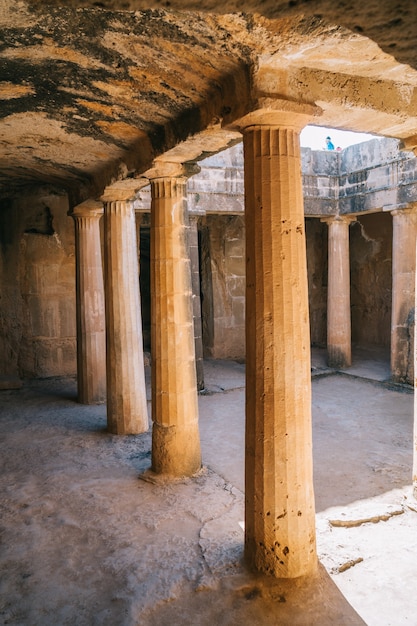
[(329, 144)]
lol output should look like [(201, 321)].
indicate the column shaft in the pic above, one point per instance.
[(91, 323), (175, 437), (280, 519), (414, 473), (339, 349), (126, 391), (404, 231)]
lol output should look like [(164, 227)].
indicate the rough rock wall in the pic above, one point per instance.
[(371, 278), (37, 306), (10, 298), (392, 28), (223, 286)]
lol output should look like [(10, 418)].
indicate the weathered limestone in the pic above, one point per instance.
[(339, 350), (414, 473), (280, 522), (195, 283), (175, 437), (404, 233), (412, 144), (91, 322), (126, 391)]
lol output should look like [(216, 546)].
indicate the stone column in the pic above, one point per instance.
[(411, 143), (91, 322), (175, 436), (280, 515), (404, 232), (195, 284), (414, 474), (339, 348), (126, 391)]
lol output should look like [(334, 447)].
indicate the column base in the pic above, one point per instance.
[(271, 561), (175, 450), (338, 357)]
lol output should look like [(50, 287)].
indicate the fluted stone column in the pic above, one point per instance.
[(414, 474), (339, 347), (404, 232), (91, 322), (195, 284), (126, 391), (411, 144), (175, 437), (280, 514)]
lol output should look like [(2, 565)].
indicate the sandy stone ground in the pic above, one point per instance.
[(84, 541)]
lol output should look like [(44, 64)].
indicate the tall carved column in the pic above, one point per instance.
[(195, 284), (411, 143), (414, 474), (339, 348), (280, 515), (404, 232), (91, 322), (175, 437), (126, 391)]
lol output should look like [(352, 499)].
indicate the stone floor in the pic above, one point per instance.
[(84, 542)]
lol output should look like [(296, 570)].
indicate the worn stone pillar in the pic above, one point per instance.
[(411, 143), (404, 232), (175, 437), (414, 474), (91, 322), (195, 283), (339, 347), (126, 391), (280, 515)]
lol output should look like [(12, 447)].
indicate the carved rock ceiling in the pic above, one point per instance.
[(93, 92)]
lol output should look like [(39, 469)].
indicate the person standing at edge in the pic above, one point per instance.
[(329, 144)]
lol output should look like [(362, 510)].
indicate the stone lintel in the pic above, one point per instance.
[(397, 209), (88, 208), (213, 139), (123, 190), (330, 219), (279, 112), (170, 169)]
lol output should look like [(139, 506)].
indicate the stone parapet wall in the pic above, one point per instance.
[(376, 175)]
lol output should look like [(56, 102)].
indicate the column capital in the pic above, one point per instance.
[(88, 208), (331, 219), (123, 190), (403, 209), (277, 112), (171, 169)]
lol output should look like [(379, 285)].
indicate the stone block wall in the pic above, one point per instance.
[(371, 278), (223, 286), (37, 307)]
